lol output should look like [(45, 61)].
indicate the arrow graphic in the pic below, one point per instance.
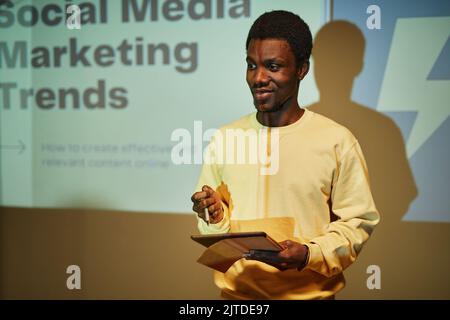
[(20, 147)]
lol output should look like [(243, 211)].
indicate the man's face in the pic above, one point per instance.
[(272, 73)]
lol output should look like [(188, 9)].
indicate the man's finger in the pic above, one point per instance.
[(214, 207), (208, 190), (265, 256), (286, 243), (201, 215), (206, 203), (198, 196), (282, 266), (286, 254)]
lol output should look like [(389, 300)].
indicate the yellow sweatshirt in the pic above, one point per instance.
[(319, 196)]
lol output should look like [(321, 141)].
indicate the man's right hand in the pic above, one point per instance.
[(208, 198)]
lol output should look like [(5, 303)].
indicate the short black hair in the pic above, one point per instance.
[(284, 25)]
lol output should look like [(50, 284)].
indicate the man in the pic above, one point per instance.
[(318, 204)]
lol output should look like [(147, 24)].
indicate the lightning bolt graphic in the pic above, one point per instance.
[(416, 45)]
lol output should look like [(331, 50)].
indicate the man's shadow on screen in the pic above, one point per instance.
[(338, 55)]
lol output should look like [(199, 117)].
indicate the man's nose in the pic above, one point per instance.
[(261, 77)]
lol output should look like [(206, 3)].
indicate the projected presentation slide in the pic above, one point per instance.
[(88, 115)]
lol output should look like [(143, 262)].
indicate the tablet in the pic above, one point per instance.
[(258, 240)]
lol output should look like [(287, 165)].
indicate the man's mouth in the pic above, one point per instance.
[(262, 94)]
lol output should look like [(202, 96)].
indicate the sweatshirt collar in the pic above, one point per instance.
[(285, 129)]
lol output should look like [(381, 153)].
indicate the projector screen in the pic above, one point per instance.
[(89, 116)]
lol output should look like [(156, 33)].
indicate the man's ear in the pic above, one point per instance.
[(303, 70)]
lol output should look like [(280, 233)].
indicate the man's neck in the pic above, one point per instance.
[(281, 118)]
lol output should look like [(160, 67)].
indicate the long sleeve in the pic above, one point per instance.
[(357, 216), (211, 176)]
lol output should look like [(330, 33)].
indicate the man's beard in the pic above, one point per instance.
[(277, 107)]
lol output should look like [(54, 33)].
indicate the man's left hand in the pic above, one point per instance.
[(294, 255)]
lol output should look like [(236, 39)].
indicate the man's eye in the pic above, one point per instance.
[(250, 66), (274, 67)]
